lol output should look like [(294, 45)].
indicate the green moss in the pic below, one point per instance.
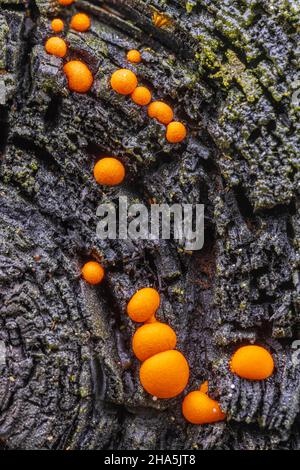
[(235, 70)]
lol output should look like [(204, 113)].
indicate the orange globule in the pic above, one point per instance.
[(80, 22), (153, 338), (143, 304), (92, 272), (80, 78), (204, 387), (252, 362), (123, 81), (56, 46), (161, 112), (134, 56), (65, 2), (109, 171), (198, 408), (176, 132), (57, 25), (165, 375), (141, 96)]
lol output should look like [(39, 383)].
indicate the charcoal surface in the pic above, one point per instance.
[(230, 69)]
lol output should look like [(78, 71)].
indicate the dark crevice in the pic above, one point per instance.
[(243, 202)]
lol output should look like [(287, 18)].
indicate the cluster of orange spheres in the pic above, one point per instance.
[(125, 82), (79, 76), (164, 372)]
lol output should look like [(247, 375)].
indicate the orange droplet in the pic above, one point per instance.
[(160, 111), (143, 304), (204, 387), (123, 81), (56, 46), (134, 56), (198, 408), (141, 96), (152, 339), (252, 362), (81, 22), (109, 171), (65, 2), (79, 76), (92, 272), (176, 132), (57, 25), (165, 375)]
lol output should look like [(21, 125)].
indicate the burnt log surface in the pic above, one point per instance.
[(230, 69)]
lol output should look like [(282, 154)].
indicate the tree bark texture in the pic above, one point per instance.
[(230, 70)]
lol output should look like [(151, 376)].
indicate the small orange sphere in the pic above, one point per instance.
[(134, 56), (165, 375), (153, 338), (92, 272), (81, 22), (79, 76), (252, 362), (57, 25), (109, 171), (141, 96), (56, 46), (160, 111), (65, 2), (123, 81), (176, 132), (143, 304), (198, 408)]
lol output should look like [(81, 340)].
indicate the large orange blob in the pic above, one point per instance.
[(143, 304), (252, 362), (123, 81), (165, 375), (109, 171), (80, 78), (56, 46), (152, 339), (198, 408), (160, 111), (176, 132)]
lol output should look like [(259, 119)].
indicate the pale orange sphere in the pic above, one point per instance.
[(143, 304), (134, 56), (92, 272), (109, 171), (80, 22), (123, 81), (79, 76), (252, 362), (165, 375), (160, 111), (56, 46), (153, 338), (141, 96), (176, 132), (57, 25), (198, 408)]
